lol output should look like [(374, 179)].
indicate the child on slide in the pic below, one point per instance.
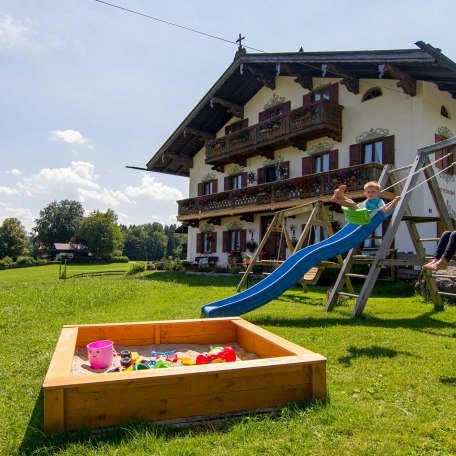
[(373, 202)]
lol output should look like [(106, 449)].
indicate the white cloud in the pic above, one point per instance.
[(105, 196), (14, 172), (78, 174), (8, 191), (23, 214), (68, 136), (154, 190), (14, 34)]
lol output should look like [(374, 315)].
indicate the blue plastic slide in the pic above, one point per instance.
[(292, 270)]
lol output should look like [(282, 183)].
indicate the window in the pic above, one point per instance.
[(236, 182), (329, 92), (373, 152), (321, 163), (274, 112), (206, 242), (444, 112), (445, 158), (372, 93), (275, 172), (380, 150), (236, 126), (271, 173), (207, 187), (372, 242), (234, 240), (317, 234)]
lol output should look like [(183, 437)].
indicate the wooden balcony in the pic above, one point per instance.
[(258, 198), (294, 128)]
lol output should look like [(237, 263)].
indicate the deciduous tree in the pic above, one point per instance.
[(13, 238)]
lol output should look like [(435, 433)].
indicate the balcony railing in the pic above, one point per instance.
[(322, 118), (310, 186)]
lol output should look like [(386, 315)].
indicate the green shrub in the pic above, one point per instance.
[(6, 262), (151, 266), (136, 268), (119, 259), (25, 260)]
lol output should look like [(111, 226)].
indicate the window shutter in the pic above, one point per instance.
[(307, 99), (243, 236), (388, 150), (200, 189), (334, 92), (226, 183), (245, 123), (244, 179), (199, 242), (355, 155), (261, 175), (286, 170), (439, 153), (228, 129), (215, 186), (226, 241), (333, 159), (213, 242), (306, 166), (262, 116)]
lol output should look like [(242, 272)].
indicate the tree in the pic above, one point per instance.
[(13, 238), (58, 222), (100, 232)]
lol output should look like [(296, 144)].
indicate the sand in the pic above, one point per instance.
[(81, 365)]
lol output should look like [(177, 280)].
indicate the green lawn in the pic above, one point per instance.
[(391, 374)]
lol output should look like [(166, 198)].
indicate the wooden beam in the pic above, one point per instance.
[(267, 79), (241, 161), (303, 78), (406, 82), (185, 160), (219, 168), (349, 81), (233, 108), (204, 135), (247, 217), (215, 221)]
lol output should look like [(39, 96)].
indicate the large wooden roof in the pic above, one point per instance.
[(250, 72)]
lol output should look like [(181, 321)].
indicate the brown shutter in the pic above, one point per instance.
[(286, 107), (262, 116), (439, 153), (333, 159), (286, 170), (226, 183), (226, 241), (243, 235), (334, 92), (244, 179), (199, 242), (228, 129), (355, 155), (388, 150), (306, 166), (245, 123), (215, 186), (214, 242), (200, 189), (307, 99), (261, 175)]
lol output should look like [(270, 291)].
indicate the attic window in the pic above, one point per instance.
[(444, 112), (372, 93)]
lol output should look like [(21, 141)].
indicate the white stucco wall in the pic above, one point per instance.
[(412, 120)]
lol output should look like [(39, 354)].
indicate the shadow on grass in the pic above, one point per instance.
[(422, 323), (35, 441), (191, 280), (373, 352), (451, 381)]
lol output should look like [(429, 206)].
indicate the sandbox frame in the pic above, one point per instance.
[(284, 373)]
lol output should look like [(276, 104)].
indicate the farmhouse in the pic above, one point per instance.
[(281, 129)]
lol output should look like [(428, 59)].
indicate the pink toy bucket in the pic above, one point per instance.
[(101, 354)]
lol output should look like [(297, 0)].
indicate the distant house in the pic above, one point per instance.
[(282, 129), (70, 249)]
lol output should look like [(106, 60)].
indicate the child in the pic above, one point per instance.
[(373, 201), (446, 248)]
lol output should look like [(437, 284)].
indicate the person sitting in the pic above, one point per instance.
[(373, 202), (445, 250)]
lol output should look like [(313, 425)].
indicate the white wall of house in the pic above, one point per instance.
[(412, 120)]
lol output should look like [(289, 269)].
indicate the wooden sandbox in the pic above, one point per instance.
[(283, 373)]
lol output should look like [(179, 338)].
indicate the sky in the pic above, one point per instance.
[(87, 89)]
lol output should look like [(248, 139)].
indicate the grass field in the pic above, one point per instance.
[(391, 374)]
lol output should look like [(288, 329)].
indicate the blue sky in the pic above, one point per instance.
[(87, 89)]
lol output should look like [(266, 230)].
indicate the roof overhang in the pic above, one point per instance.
[(250, 72)]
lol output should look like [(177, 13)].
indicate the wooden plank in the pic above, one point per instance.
[(53, 413), (318, 380), (62, 358)]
